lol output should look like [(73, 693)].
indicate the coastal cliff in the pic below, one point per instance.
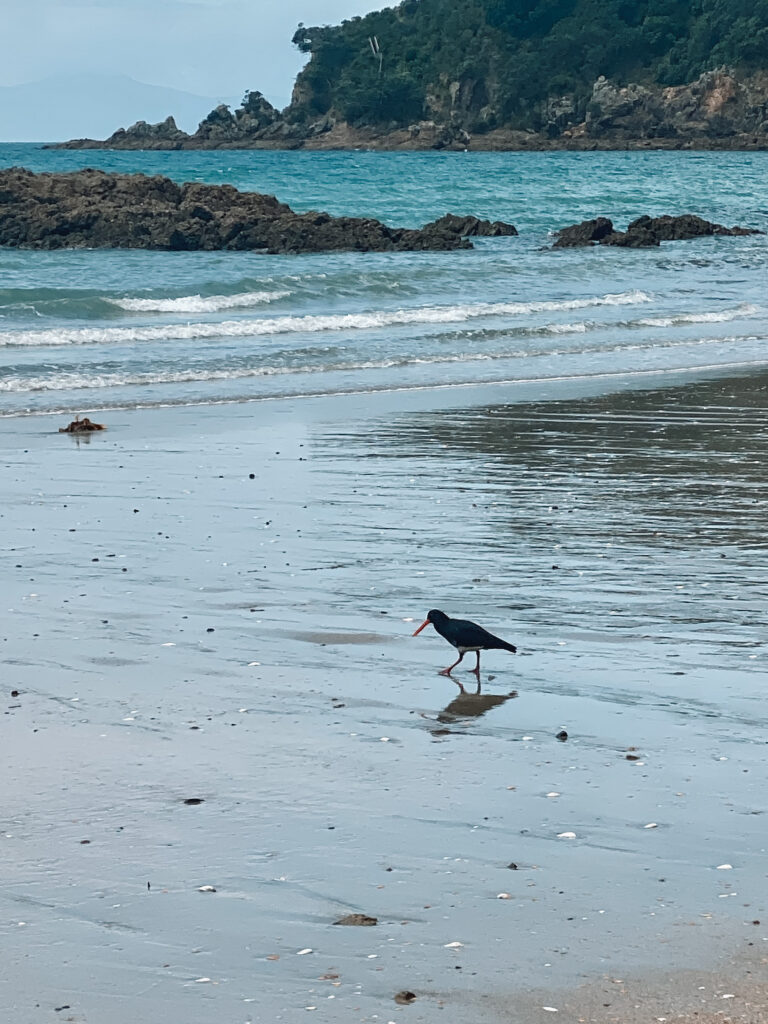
[(509, 74)]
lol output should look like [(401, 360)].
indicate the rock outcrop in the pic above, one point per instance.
[(719, 110), (645, 232), (717, 105), (472, 227), (94, 209), (164, 135)]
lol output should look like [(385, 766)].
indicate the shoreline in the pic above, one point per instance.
[(585, 383), (493, 142), (179, 630)]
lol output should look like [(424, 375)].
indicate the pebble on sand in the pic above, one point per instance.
[(405, 997)]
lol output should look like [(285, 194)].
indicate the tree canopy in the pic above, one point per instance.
[(490, 62)]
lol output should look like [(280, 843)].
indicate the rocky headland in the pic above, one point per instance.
[(96, 209), (718, 111)]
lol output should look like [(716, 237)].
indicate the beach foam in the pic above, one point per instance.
[(309, 323), (198, 303)]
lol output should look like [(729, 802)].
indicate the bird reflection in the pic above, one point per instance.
[(472, 705)]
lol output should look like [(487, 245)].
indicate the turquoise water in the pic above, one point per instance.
[(91, 329)]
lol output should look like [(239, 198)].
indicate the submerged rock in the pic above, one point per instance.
[(95, 209)]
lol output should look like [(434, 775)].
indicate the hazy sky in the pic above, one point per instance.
[(209, 47)]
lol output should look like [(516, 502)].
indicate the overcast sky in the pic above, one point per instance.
[(208, 47)]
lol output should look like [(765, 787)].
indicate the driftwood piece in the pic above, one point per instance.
[(81, 426)]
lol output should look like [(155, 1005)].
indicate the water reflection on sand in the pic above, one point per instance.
[(256, 655)]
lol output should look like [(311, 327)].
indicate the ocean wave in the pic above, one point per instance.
[(198, 303), (308, 323), (715, 317), (65, 380)]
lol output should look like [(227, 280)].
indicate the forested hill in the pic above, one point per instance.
[(483, 64), (509, 74)]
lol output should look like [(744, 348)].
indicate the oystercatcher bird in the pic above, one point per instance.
[(464, 636)]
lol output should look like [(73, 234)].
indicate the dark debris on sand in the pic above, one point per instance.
[(81, 426)]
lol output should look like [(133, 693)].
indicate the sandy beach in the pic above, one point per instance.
[(219, 736)]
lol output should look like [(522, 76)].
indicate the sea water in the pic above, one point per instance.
[(92, 329)]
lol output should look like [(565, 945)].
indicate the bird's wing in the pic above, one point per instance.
[(471, 632)]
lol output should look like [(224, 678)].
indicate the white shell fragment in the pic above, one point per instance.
[(566, 835), (206, 888), (651, 825), (725, 867), (303, 952), (453, 945)]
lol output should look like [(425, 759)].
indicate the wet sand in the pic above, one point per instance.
[(177, 630)]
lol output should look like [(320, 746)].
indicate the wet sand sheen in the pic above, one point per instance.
[(177, 630)]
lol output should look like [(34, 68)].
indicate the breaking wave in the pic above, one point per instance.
[(198, 303), (308, 323)]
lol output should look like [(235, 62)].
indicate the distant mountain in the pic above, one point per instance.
[(72, 106)]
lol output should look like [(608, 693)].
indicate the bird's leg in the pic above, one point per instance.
[(447, 671), (476, 669)]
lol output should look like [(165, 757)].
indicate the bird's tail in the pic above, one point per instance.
[(504, 646)]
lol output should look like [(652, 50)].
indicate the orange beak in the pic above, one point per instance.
[(424, 625)]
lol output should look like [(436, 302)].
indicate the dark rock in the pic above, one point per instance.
[(81, 426), (588, 232), (94, 209), (405, 997), (645, 232), (688, 225), (562, 736), (468, 227), (359, 920), (639, 238)]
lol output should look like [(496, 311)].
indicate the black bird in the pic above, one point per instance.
[(465, 636)]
